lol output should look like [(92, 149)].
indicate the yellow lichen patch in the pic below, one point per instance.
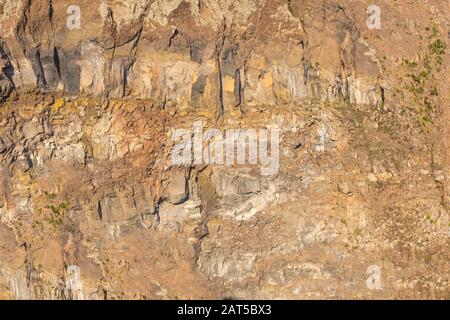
[(6, 296), (235, 113), (207, 113), (194, 76), (59, 103), (267, 80), (228, 84), (73, 107)]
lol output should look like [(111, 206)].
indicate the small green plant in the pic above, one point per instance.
[(52, 214), (437, 47), (434, 91), (422, 74), (410, 63)]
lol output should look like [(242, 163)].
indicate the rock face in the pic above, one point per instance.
[(192, 53), (92, 92)]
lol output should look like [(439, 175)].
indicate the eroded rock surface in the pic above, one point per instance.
[(91, 207)]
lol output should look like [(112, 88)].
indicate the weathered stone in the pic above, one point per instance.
[(344, 188), (249, 184), (177, 190), (91, 206), (31, 129)]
